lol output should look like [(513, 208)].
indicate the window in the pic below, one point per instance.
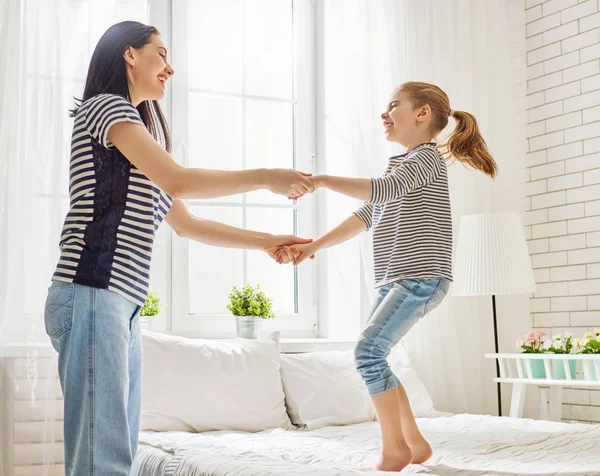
[(243, 97)]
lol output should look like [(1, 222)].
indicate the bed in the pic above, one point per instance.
[(241, 408), (464, 445)]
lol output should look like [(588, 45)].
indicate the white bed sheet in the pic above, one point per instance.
[(464, 445)]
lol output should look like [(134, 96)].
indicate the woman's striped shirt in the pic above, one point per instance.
[(115, 210), (411, 218)]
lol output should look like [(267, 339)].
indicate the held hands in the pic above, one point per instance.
[(315, 183), (278, 242), (296, 254), (291, 183), (290, 249)]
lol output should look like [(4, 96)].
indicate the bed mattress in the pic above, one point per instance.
[(465, 445)]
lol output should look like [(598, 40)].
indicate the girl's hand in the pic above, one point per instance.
[(286, 254), (316, 182), (278, 242), (288, 182), (297, 253)]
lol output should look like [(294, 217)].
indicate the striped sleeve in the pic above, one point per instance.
[(104, 111), (365, 213), (415, 172), (166, 202)]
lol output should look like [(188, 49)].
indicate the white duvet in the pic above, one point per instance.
[(465, 445)]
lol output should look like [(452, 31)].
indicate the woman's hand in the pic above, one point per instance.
[(290, 183), (278, 242), (315, 181), (297, 253)]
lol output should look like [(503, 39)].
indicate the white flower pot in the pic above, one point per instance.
[(146, 322), (248, 327)]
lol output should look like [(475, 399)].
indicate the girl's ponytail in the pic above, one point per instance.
[(466, 144)]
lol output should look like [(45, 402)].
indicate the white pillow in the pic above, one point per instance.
[(420, 401), (203, 385), (324, 388)]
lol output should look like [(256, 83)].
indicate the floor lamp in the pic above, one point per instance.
[(492, 259)]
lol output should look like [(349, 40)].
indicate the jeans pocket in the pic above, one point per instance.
[(409, 284), (438, 295), (58, 312)]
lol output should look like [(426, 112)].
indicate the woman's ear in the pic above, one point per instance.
[(129, 56)]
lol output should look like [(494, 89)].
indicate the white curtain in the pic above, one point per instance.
[(45, 46), (465, 47)]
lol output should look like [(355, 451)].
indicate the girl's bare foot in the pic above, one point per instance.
[(395, 461), (421, 451)]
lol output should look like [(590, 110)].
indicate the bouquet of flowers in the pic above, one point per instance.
[(533, 343), (559, 344), (589, 344)]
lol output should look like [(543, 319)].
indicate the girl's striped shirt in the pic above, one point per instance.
[(411, 218)]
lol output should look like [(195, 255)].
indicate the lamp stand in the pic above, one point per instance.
[(497, 351)]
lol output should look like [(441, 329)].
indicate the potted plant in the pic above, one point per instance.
[(150, 308), (590, 344), (561, 345), (250, 306), (533, 343)]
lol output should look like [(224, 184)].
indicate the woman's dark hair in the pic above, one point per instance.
[(107, 74)]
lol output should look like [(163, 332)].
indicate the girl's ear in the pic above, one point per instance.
[(424, 111), (128, 56)]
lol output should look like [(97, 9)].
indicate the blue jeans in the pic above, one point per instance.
[(398, 307), (97, 335)]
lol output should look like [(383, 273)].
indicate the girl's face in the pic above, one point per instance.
[(402, 122), (148, 70)]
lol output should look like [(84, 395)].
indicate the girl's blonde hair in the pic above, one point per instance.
[(465, 143)]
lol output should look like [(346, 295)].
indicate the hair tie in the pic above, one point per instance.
[(451, 113)]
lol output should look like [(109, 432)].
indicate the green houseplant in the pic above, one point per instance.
[(150, 308), (250, 305), (533, 343), (561, 344)]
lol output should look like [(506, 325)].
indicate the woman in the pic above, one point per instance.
[(123, 183)]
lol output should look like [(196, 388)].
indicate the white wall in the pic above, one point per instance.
[(563, 221)]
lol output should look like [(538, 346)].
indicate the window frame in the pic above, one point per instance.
[(172, 20)]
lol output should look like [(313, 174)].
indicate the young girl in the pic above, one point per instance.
[(122, 185), (409, 210)]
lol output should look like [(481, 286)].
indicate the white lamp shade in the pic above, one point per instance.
[(492, 256)]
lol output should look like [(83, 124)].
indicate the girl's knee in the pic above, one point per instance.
[(363, 350), (369, 353)]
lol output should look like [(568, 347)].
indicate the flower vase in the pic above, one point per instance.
[(558, 369), (537, 368), (589, 365), (146, 323), (248, 327)]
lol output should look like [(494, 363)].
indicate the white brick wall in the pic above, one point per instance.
[(563, 222), (561, 106)]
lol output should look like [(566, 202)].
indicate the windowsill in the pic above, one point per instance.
[(42, 350)]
